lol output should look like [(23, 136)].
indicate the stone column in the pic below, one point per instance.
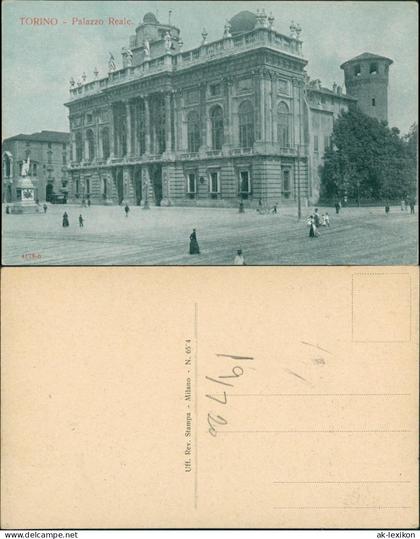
[(147, 123), (203, 117), (146, 187), (99, 144), (168, 123), (85, 147), (128, 126), (262, 107), (73, 146), (112, 140), (228, 113), (177, 119)]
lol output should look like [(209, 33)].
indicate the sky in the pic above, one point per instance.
[(39, 60)]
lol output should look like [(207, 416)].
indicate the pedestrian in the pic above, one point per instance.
[(312, 227), (89, 202), (337, 207), (241, 207), (7, 209), (317, 219), (194, 248), (126, 209), (239, 259), (387, 208), (274, 210), (80, 220), (45, 207), (65, 219), (412, 204), (327, 219)]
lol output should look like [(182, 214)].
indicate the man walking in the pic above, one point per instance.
[(126, 209)]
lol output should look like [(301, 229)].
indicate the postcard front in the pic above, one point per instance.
[(271, 398)]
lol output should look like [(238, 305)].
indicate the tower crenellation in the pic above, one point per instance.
[(366, 78)]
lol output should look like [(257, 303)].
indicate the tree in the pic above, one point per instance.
[(368, 160)]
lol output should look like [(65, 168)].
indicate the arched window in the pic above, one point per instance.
[(79, 147), (7, 166), (105, 143), (193, 128), (217, 135), (91, 144), (283, 125), (246, 125)]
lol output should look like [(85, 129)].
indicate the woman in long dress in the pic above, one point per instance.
[(311, 227), (65, 219), (194, 248)]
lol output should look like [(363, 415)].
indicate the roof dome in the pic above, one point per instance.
[(244, 21), (150, 18)]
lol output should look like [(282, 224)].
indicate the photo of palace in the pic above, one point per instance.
[(230, 120)]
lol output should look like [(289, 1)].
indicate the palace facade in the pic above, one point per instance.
[(234, 119)]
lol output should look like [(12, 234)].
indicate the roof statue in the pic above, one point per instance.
[(127, 57), (204, 35), (168, 41), (227, 29), (111, 63), (146, 46)]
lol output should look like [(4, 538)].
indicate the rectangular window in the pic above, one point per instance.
[(191, 183), (89, 118), (215, 89), (326, 142), (77, 187), (357, 70), (373, 69), (214, 182), (316, 143), (64, 158), (34, 169), (49, 145), (87, 186), (373, 102), (286, 184), (244, 183)]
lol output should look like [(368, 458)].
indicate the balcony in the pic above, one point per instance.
[(242, 151), (214, 153), (191, 155)]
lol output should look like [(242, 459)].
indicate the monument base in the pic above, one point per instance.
[(17, 208)]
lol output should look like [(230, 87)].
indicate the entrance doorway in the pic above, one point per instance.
[(156, 179), (49, 192), (120, 185), (138, 186)]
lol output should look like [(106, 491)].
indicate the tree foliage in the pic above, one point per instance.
[(368, 160)]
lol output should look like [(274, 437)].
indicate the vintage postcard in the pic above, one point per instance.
[(210, 397), (209, 133)]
